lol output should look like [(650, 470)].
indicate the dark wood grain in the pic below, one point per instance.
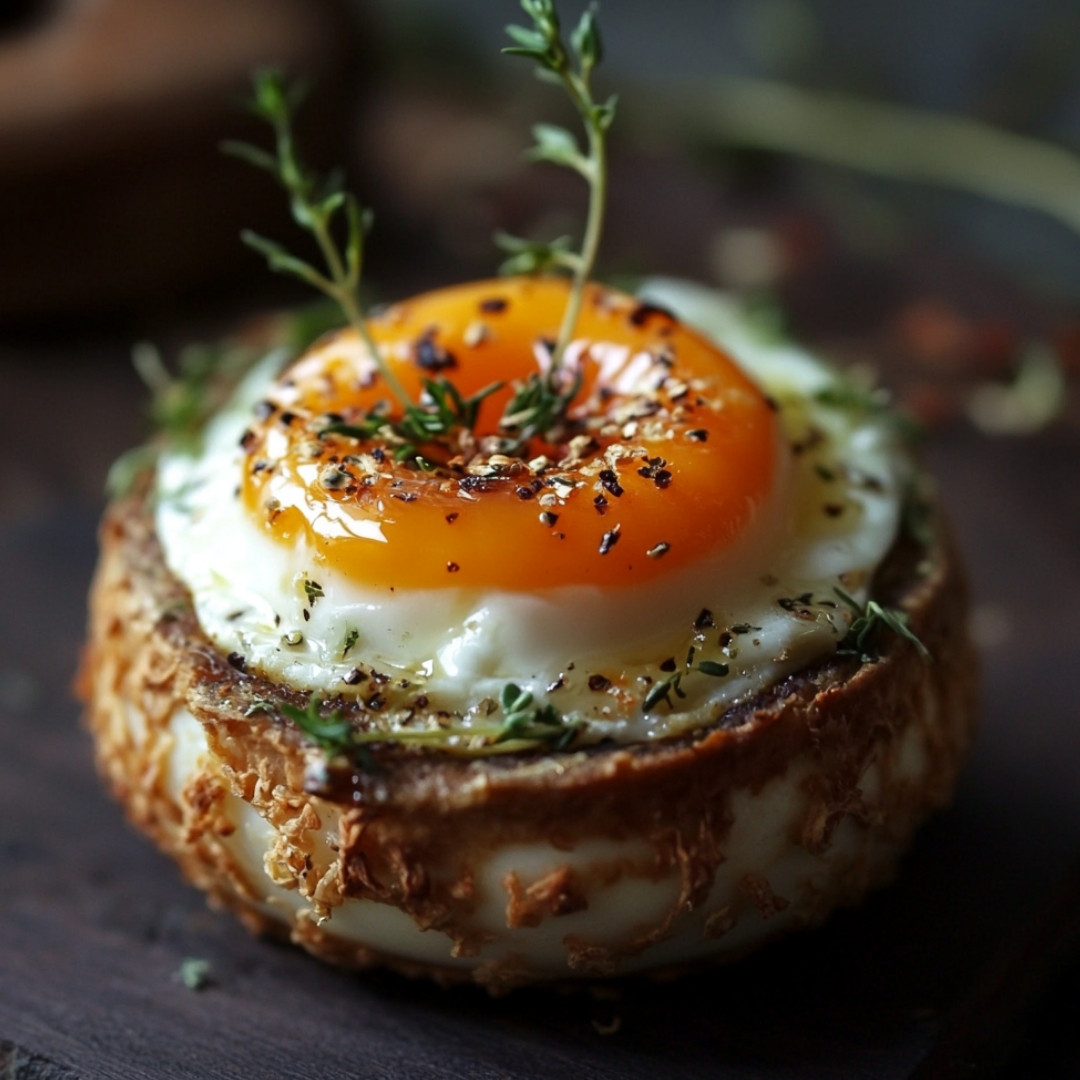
[(19, 1064), (985, 1032)]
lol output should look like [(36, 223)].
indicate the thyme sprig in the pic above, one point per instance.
[(672, 684), (445, 409), (332, 734), (852, 394), (538, 407), (572, 68), (541, 724), (442, 411), (863, 638), (181, 400), (541, 401), (716, 668), (317, 203), (525, 726)]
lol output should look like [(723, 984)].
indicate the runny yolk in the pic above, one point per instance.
[(669, 453)]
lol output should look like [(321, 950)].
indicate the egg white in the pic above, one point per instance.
[(460, 647)]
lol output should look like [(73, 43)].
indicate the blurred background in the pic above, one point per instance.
[(896, 184)]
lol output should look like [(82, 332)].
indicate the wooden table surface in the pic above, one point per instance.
[(94, 923)]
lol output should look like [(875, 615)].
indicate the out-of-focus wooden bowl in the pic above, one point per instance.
[(112, 188)]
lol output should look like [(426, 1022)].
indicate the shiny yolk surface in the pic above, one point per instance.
[(669, 452)]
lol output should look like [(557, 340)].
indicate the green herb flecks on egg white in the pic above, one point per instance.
[(525, 726)]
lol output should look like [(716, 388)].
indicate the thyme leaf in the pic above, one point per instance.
[(443, 411), (332, 734), (864, 634), (195, 973), (713, 667), (366, 427), (525, 725), (535, 256), (850, 394), (540, 724), (662, 691), (539, 406), (570, 66), (321, 206)]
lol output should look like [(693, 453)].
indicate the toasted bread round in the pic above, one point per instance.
[(533, 866)]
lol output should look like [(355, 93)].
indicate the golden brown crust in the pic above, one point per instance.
[(413, 833)]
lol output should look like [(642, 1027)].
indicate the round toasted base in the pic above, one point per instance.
[(520, 868)]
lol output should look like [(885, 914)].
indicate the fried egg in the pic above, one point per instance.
[(694, 540), (671, 571)]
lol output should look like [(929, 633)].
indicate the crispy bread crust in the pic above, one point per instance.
[(413, 833)]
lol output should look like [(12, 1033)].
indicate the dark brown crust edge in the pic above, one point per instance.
[(145, 649)]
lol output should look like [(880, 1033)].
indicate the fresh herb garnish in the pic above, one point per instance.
[(571, 68), (541, 724), (352, 636), (850, 394), (863, 636), (445, 409), (713, 667), (313, 590), (332, 734), (525, 726), (662, 691), (320, 205), (316, 202), (540, 403), (195, 973), (366, 427), (534, 256), (317, 205), (181, 401), (538, 407)]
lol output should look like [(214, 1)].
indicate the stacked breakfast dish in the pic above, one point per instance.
[(528, 629)]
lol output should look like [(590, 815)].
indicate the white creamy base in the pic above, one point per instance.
[(758, 849)]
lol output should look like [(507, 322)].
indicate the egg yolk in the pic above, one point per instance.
[(667, 454)]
